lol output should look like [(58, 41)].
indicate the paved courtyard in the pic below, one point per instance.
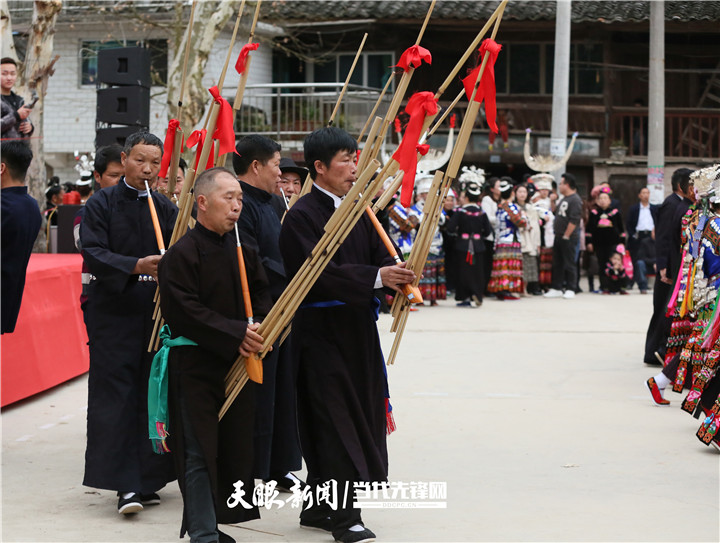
[(534, 413)]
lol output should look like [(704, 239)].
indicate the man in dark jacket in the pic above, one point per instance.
[(667, 262), (202, 301), (15, 123), (20, 226), (277, 449), (641, 237), (342, 387), (120, 248)]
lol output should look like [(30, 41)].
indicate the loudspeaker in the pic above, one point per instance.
[(124, 105), (65, 219), (108, 136), (124, 66)]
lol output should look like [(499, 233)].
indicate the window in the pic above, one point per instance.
[(371, 70), (527, 68), (158, 58)]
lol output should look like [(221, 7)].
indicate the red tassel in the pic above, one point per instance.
[(242, 57), (413, 57), (224, 132), (168, 146), (418, 107), (198, 138), (486, 90), (390, 426)]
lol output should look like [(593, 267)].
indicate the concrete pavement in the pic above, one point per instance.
[(534, 413)]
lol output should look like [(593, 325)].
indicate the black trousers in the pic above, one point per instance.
[(659, 327), (564, 270)]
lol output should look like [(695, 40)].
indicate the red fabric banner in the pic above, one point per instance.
[(173, 126), (49, 344), (241, 63), (224, 131), (198, 138), (418, 107), (486, 90), (413, 57)]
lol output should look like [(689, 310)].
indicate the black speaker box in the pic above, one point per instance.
[(65, 238), (124, 105), (124, 66), (108, 136)]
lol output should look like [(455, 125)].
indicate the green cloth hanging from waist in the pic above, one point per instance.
[(158, 390)]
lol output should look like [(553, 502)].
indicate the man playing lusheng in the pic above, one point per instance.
[(120, 249), (342, 388), (202, 300)]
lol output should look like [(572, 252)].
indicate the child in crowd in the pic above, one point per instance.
[(615, 274)]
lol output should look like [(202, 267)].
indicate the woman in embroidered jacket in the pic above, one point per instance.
[(529, 240), (506, 279)]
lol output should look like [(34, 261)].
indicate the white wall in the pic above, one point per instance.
[(69, 122)]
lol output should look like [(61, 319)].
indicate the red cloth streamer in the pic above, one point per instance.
[(173, 125), (453, 118), (413, 57), (224, 131), (420, 105), (241, 63), (398, 125), (198, 138), (486, 90)]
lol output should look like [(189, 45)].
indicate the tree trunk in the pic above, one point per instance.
[(210, 18), (8, 44), (37, 69)]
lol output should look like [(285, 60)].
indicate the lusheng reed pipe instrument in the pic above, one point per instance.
[(253, 364)]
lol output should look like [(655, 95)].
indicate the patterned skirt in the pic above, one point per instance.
[(529, 268), (680, 331), (432, 284), (692, 355), (507, 271), (546, 266)]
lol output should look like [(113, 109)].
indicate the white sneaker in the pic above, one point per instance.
[(569, 294), (553, 293)]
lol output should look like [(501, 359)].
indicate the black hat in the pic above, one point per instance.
[(289, 165)]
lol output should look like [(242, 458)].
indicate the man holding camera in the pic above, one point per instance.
[(15, 123)]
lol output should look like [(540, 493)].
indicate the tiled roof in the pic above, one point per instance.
[(519, 10)]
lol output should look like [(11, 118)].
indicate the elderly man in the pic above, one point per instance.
[(120, 249)]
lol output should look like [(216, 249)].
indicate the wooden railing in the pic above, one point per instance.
[(689, 132)]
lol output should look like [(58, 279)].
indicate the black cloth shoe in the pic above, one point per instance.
[(129, 505), (150, 499), (349, 536), (224, 538)]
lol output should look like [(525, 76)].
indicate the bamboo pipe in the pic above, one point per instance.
[(253, 364), (284, 310), (155, 221), (296, 291), (412, 293), (367, 149), (377, 104), (240, 92), (347, 81), (183, 78), (469, 51), (384, 200)]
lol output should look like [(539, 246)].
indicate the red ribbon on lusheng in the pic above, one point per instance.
[(418, 107), (452, 120), (198, 137), (398, 125), (224, 131), (241, 63), (413, 57), (168, 147), (486, 90), (422, 148)]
